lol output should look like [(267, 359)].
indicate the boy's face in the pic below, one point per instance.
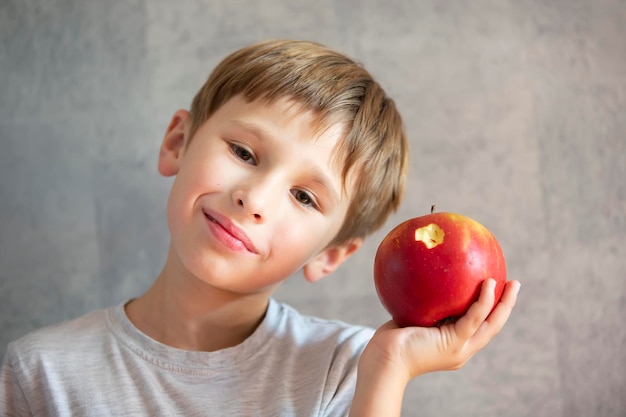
[(256, 197)]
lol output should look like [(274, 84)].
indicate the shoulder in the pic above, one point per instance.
[(316, 358), (58, 340), (310, 330)]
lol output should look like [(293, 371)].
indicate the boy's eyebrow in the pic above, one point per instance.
[(318, 176), (323, 180), (255, 129)]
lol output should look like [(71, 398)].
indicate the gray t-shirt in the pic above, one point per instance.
[(100, 365)]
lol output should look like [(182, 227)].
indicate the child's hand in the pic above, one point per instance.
[(411, 351)]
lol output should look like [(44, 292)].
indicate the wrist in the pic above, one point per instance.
[(378, 360), (375, 367), (379, 389)]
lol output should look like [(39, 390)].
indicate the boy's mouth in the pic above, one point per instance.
[(231, 229)]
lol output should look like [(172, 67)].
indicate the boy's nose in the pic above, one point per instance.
[(256, 197), (255, 213)]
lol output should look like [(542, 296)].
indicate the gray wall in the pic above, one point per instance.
[(516, 117)]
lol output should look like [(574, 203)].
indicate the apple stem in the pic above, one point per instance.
[(432, 208)]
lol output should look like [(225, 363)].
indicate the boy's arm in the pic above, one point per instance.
[(396, 355)]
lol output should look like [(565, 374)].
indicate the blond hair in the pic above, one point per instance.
[(337, 90)]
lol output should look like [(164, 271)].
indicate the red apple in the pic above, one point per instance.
[(428, 270)]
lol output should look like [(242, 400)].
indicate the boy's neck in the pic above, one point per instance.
[(184, 316)]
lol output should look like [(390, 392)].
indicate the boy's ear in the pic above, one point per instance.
[(174, 143), (330, 259)]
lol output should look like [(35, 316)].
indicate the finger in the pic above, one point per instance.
[(499, 316), (469, 324), (501, 313)]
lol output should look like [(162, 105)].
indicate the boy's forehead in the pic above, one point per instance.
[(323, 129), (319, 123)]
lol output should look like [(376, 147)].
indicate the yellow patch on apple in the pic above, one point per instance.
[(430, 235)]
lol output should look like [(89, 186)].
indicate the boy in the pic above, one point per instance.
[(290, 156)]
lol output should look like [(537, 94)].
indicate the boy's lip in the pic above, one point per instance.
[(231, 228)]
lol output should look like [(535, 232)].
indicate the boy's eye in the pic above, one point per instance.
[(243, 154), (304, 198)]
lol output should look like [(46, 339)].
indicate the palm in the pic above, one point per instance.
[(418, 350)]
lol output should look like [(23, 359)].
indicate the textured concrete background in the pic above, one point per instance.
[(516, 116)]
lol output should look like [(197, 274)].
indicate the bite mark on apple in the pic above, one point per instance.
[(431, 235)]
